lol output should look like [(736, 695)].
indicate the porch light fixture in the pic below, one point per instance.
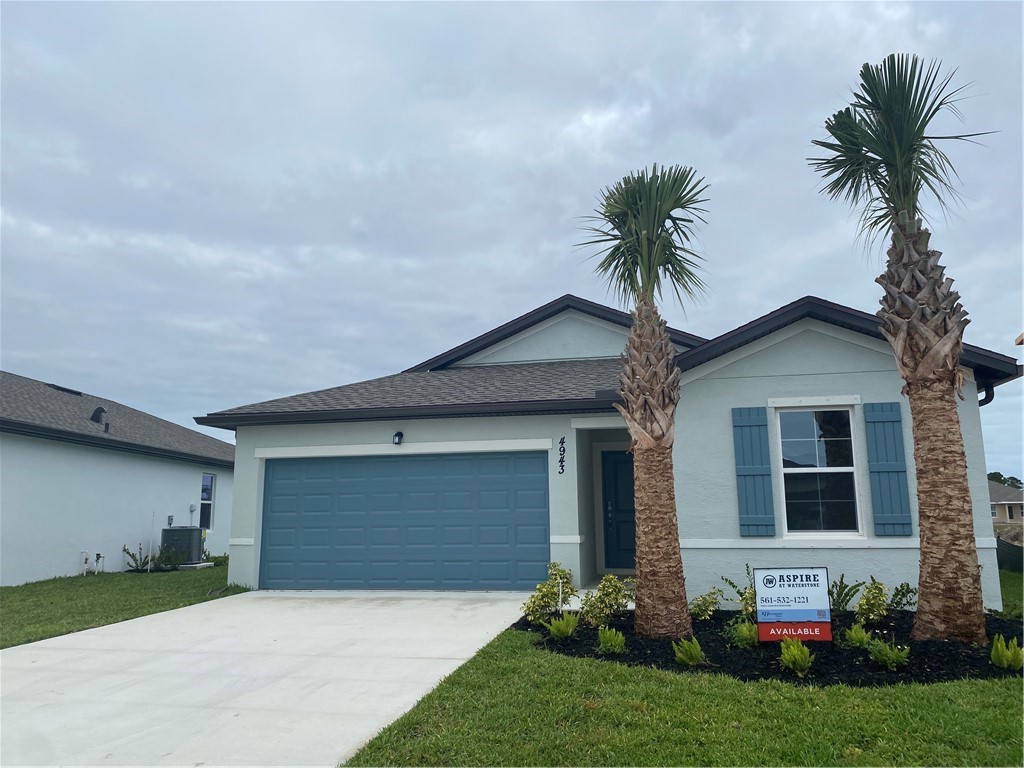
[(397, 438)]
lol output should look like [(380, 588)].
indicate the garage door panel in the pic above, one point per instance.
[(462, 521)]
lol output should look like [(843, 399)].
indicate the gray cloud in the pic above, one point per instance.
[(206, 205)]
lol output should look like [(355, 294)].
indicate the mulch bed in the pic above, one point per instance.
[(930, 661)]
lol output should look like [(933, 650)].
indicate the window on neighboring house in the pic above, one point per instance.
[(818, 473), (1009, 512), (993, 510), (206, 502)]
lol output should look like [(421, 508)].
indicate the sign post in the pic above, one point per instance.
[(792, 602)]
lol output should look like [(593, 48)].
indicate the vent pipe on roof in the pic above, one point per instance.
[(98, 414)]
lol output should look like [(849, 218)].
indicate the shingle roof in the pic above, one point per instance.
[(1004, 494), (564, 386), (35, 408)]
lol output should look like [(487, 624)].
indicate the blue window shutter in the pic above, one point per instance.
[(753, 471), (887, 463)]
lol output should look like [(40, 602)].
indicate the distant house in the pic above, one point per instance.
[(81, 475), (1007, 506), (473, 469)]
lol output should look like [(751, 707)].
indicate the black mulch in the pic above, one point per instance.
[(930, 661)]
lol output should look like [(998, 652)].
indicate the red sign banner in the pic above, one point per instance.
[(800, 630)]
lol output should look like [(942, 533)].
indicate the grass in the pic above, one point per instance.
[(1012, 586), (43, 609), (515, 704)]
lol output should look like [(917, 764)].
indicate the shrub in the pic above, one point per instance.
[(741, 633), (841, 594), (745, 595), (888, 655), (857, 637), (704, 606), (169, 559), (688, 652), (1007, 656), (550, 596), (610, 641), (563, 627), (873, 604), (903, 597), (610, 600), (136, 563), (795, 656)]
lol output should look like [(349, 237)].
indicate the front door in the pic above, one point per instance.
[(619, 514)]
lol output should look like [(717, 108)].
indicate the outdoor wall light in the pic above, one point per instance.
[(397, 438)]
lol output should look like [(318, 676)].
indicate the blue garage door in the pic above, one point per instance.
[(450, 521)]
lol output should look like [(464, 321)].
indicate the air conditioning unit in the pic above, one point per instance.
[(187, 539)]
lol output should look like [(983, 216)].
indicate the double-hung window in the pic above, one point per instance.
[(820, 488), (206, 502)]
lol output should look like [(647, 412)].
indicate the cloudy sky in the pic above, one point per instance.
[(206, 205)]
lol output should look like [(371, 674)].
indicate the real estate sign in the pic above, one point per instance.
[(792, 602)]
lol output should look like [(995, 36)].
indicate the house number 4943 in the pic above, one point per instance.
[(561, 456)]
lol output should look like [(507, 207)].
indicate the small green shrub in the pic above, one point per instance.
[(903, 597), (857, 637), (873, 604), (550, 596), (704, 606), (137, 563), (688, 652), (888, 655), (610, 641), (795, 656), (841, 594), (562, 627), (745, 595), (741, 633), (1007, 656), (169, 559), (609, 601)]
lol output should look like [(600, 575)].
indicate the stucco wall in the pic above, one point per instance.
[(57, 499), (570, 335), (805, 360), (253, 445)]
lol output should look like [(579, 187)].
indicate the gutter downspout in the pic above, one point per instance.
[(990, 395)]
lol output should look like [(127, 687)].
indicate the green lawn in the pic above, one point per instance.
[(514, 704), (54, 607), (1012, 587)]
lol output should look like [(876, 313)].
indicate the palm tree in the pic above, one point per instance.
[(644, 226), (882, 159)]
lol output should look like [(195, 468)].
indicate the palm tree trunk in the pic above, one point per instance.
[(924, 322), (949, 603), (649, 385)]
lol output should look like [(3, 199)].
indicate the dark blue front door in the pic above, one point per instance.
[(619, 512)]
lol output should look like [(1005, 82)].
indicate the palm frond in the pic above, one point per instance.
[(881, 155), (644, 228)]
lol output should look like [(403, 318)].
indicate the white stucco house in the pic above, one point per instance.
[(475, 468), (82, 475)]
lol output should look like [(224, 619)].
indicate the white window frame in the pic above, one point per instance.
[(861, 481), (211, 502)]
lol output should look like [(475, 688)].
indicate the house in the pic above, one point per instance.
[(475, 468), (82, 475), (1007, 506)]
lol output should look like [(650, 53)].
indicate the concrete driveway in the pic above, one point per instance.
[(263, 678)]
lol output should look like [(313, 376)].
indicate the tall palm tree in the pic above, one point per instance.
[(882, 159), (644, 225)]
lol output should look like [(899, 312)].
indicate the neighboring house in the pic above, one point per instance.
[(81, 475), (1007, 506), (475, 468)]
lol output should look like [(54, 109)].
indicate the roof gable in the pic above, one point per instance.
[(37, 409), (990, 368), (475, 349)]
